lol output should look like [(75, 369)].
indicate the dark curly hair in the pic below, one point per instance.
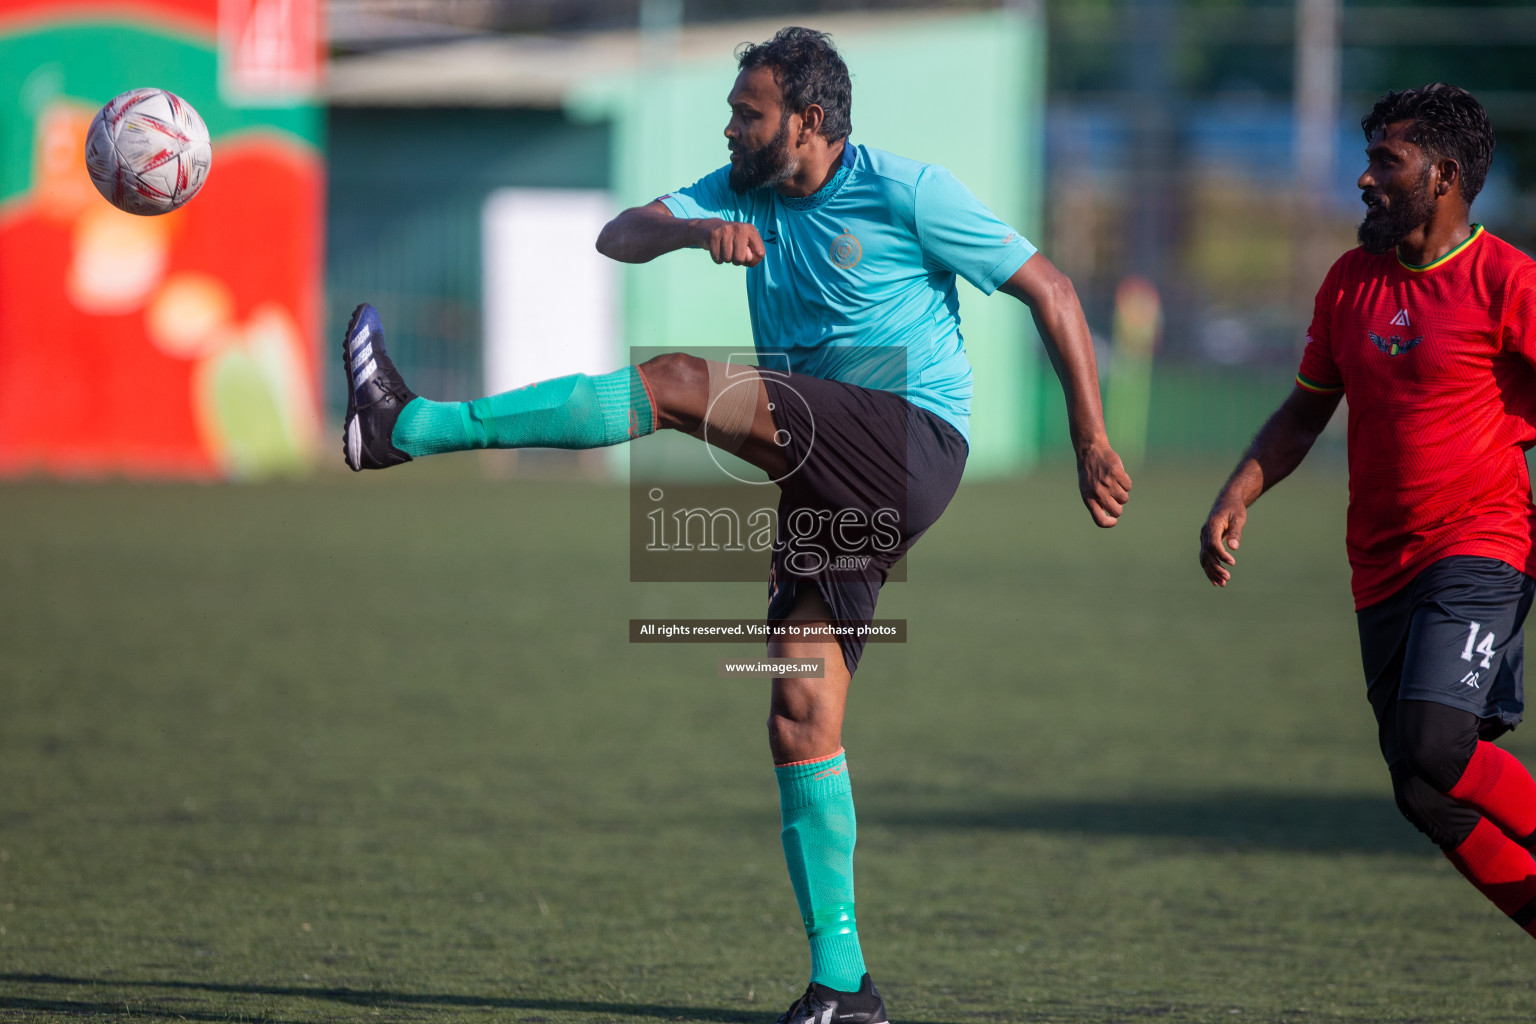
[(1448, 124), (808, 69)]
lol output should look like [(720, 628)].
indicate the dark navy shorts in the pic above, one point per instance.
[(870, 472), (1452, 636)]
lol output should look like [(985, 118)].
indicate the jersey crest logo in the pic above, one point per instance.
[(1395, 345), (846, 251), (1401, 320)]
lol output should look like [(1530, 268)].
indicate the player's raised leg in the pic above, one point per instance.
[(1442, 747), (387, 423), (1437, 742), (805, 727), (376, 394), (1444, 661)]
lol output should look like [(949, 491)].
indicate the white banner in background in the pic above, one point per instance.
[(550, 306)]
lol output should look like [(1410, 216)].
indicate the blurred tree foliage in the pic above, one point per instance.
[(1241, 47), (1221, 47)]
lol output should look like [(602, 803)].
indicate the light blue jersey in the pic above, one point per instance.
[(864, 271)]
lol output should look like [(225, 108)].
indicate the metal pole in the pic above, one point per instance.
[(1316, 98), (1153, 194), (660, 23)]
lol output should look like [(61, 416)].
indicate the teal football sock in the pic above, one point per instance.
[(816, 803), (568, 412)]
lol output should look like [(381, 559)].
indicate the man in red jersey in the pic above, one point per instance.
[(1429, 328)]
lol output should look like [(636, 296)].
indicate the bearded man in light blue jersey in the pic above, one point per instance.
[(852, 255)]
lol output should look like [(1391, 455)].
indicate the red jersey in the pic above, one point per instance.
[(1436, 364)]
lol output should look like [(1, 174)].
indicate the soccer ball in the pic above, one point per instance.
[(147, 151)]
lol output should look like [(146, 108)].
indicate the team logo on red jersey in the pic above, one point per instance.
[(1395, 345)]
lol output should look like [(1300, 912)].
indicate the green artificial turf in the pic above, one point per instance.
[(378, 749)]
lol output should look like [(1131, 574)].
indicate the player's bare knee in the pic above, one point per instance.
[(797, 739), (780, 730), (679, 385)]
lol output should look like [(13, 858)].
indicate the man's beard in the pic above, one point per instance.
[(1385, 227), (768, 165)]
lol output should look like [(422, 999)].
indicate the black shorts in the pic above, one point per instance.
[(1453, 636), (870, 473)]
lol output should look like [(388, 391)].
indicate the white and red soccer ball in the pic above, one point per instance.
[(148, 151)]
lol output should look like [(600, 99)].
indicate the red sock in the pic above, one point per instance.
[(1501, 869), (1497, 785)]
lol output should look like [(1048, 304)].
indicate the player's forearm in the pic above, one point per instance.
[(642, 233), (1069, 346), (1267, 461), (1052, 301), (1079, 377), (1280, 446)]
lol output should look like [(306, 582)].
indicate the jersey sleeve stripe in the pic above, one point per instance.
[(1316, 388)]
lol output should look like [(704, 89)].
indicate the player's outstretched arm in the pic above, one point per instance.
[(1282, 442), (1052, 301), (642, 233)]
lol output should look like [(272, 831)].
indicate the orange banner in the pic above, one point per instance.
[(183, 345)]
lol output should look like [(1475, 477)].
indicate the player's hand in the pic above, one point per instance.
[(732, 241), (1223, 529), (1103, 483)]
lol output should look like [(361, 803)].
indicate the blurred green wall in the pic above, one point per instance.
[(1197, 411)]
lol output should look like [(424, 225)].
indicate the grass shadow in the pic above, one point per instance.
[(370, 998), (1277, 821)]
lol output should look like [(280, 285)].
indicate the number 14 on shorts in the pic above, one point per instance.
[(1474, 647)]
